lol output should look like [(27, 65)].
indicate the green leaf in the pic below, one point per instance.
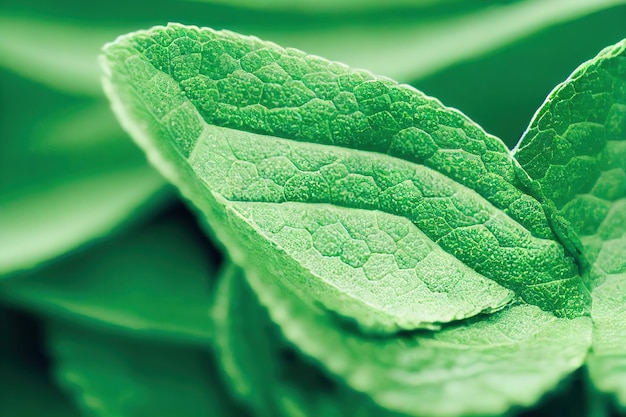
[(486, 364), (575, 152), (25, 387), (362, 195), (117, 377), (264, 371), (156, 282), (68, 175)]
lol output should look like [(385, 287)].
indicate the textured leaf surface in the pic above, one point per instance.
[(265, 372), (116, 377), (575, 152), (68, 175), (367, 196), (513, 357), (154, 283)]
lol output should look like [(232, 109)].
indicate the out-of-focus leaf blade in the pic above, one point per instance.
[(116, 377), (575, 153), (68, 175), (25, 386), (266, 373), (62, 56), (155, 282), (330, 6), (406, 49)]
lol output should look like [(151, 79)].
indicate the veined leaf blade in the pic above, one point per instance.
[(239, 123), (575, 152)]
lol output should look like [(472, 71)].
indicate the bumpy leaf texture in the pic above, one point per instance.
[(357, 193), (575, 152)]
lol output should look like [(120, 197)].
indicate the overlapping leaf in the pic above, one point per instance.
[(482, 363), (575, 153), (265, 372)]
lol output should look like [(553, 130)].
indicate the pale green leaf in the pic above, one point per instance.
[(266, 373), (67, 52), (330, 6), (116, 377), (575, 153), (483, 366), (362, 195), (156, 283), (68, 175)]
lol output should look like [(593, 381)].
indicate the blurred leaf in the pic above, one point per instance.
[(155, 282), (117, 377), (25, 387), (267, 374), (401, 47), (330, 6), (575, 152), (410, 51), (68, 53), (68, 174)]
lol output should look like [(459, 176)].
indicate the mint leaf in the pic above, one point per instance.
[(132, 284), (68, 175), (356, 190), (486, 364), (264, 371), (575, 152), (110, 376)]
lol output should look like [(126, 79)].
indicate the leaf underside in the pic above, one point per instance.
[(480, 363), (367, 197)]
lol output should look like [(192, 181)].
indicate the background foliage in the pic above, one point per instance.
[(93, 245)]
